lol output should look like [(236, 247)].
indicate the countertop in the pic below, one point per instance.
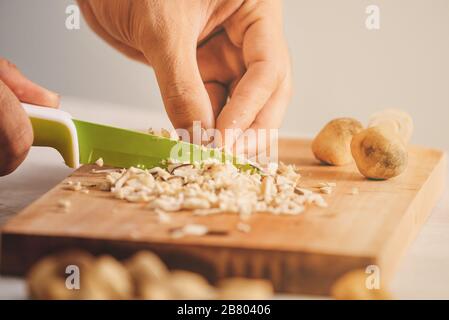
[(423, 273)]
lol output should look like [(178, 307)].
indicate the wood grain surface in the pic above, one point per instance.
[(300, 254)]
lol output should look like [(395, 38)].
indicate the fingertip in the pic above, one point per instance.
[(53, 99), (185, 97), (38, 95), (24, 89)]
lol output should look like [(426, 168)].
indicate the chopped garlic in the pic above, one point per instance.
[(64, 204), (74, 186), (212, 187), (162, 132), (162, 216), (243, 227), (99, 162), (326, 184), (326, 190), (195, 229), (104, 186), (103, 171), (190, 230)]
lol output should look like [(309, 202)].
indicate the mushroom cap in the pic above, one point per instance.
[(396, 120), (353, 286), (148, 272), (47, 278), (189, 285), (332, 145), (107, 279), (379, 153)]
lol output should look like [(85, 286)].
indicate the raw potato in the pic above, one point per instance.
[(244, 289), (352, 286), (379, 153), (332, 145)]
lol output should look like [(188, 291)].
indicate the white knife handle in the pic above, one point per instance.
[(54, 128)]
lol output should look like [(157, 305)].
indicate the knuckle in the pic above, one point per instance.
[(177, 94), (14, 152), (22, 142)]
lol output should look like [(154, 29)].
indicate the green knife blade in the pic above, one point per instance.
[(126, 148), (85, 142)]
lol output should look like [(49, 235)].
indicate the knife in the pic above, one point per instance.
[(81, 142)]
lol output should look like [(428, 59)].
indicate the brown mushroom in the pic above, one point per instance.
[(148, 273), (353, 286), (380, 152), (332, 145), (189, 285), (111, 280), (47, 278)]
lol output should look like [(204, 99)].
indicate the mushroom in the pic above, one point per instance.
[(353, 286), (332, 144), (380, 152), (98, 278), (148, 273), (111, 279), (47, 278), (189, 285)]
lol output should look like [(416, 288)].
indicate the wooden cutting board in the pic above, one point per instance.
[(300, 254)]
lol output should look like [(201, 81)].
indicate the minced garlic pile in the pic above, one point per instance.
[(212, 187)]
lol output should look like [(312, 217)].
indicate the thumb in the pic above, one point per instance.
[(24, 89), (185, 97)]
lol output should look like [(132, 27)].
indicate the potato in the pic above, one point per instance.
[(352, 286)]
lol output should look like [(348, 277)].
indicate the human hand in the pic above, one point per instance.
[(16, 134), (204, 52)]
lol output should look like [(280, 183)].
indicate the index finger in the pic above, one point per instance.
[(24, 89)]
